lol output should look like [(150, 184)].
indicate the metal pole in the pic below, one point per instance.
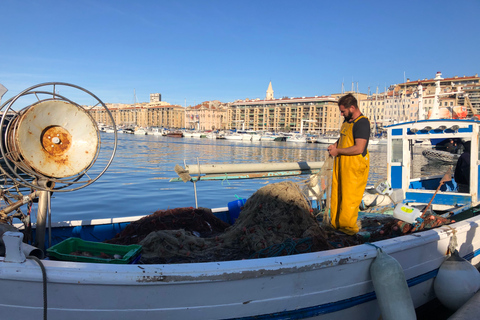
[(43, 201), (41, 219)]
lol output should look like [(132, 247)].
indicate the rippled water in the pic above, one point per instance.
[(137, 182)]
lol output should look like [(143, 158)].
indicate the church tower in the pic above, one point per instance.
[(269, 95)]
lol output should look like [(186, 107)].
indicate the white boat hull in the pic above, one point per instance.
[(332, 284), (327, 140)]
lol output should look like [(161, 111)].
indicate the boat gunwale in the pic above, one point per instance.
[(61, 271)]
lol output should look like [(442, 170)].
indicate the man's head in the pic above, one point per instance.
[(348, 107)]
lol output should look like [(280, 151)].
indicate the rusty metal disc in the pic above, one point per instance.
[(56, 138)]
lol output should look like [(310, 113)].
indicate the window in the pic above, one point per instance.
[(397, 153)]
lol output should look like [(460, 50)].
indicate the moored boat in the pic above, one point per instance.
[(175, 134), (329, 284), (327, 139), (140, 131)]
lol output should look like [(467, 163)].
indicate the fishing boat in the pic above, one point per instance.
[(174, 134), (330, 284)]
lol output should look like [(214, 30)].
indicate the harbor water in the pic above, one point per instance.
[(138, 180)]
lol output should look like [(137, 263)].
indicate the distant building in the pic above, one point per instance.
[(401, 102), (142, 115), (155, 97), (269, 95), (285, 114), (209, 115), (320, 114), (471, 98)]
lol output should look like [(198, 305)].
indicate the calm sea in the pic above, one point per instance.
[(137, 182)]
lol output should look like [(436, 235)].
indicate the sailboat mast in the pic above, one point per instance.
[(135, 106), (375, 114)]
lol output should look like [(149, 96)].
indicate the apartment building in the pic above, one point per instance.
[(142, 115), (401, 102), (209, 115), (313, 114), (471, 98), (319, 114)]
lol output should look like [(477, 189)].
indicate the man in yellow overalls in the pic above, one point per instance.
[(351, 166)]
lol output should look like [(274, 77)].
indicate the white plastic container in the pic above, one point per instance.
[(383, 188), (406, 213)]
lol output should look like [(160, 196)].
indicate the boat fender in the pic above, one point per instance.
[(391, 288), (456, 282), (374, 200)]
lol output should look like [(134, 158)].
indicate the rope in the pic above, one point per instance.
[(226, 179), (452, 246), (373, 245), (44, 278)]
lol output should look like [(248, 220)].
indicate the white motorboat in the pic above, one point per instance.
[(300, 138), (155, 131), (140, 131), (327, 139)]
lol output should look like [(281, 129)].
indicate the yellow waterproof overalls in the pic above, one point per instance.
[(350, 175)]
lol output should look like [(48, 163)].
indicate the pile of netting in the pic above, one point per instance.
[(276, 220), (275, 214), (200, 222)]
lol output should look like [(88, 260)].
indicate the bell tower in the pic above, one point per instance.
[(269, 95)]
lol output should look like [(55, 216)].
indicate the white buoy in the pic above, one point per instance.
[(456, 282), (391, 288)]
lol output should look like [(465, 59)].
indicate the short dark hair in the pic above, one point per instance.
[(347, 101)]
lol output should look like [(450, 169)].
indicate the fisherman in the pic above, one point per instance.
[(462, 170), (351, 166)]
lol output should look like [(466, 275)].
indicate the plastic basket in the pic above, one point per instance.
[(76, 249)]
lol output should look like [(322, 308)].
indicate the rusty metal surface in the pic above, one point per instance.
[(55, 138)]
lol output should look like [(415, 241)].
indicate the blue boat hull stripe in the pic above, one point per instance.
[(309, 312)]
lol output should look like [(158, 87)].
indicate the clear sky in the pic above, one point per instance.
[(199, 50)]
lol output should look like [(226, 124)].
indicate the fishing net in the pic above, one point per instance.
[(200, 222), (440, 156), (317, 186), (274, 214), (276, 220)]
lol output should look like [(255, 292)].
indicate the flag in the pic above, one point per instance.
[(3, 90)]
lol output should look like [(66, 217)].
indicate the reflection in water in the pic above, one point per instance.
[(137, 182)]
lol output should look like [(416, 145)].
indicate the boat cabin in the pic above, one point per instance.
[(417, 176)]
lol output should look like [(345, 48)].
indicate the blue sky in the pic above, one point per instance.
[(196, 51)]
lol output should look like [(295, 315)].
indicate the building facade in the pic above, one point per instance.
[(142, 115), (309, 114), (209, 115), (402, 102), (319, 114)]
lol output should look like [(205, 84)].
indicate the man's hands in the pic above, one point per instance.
[(332, 150)]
